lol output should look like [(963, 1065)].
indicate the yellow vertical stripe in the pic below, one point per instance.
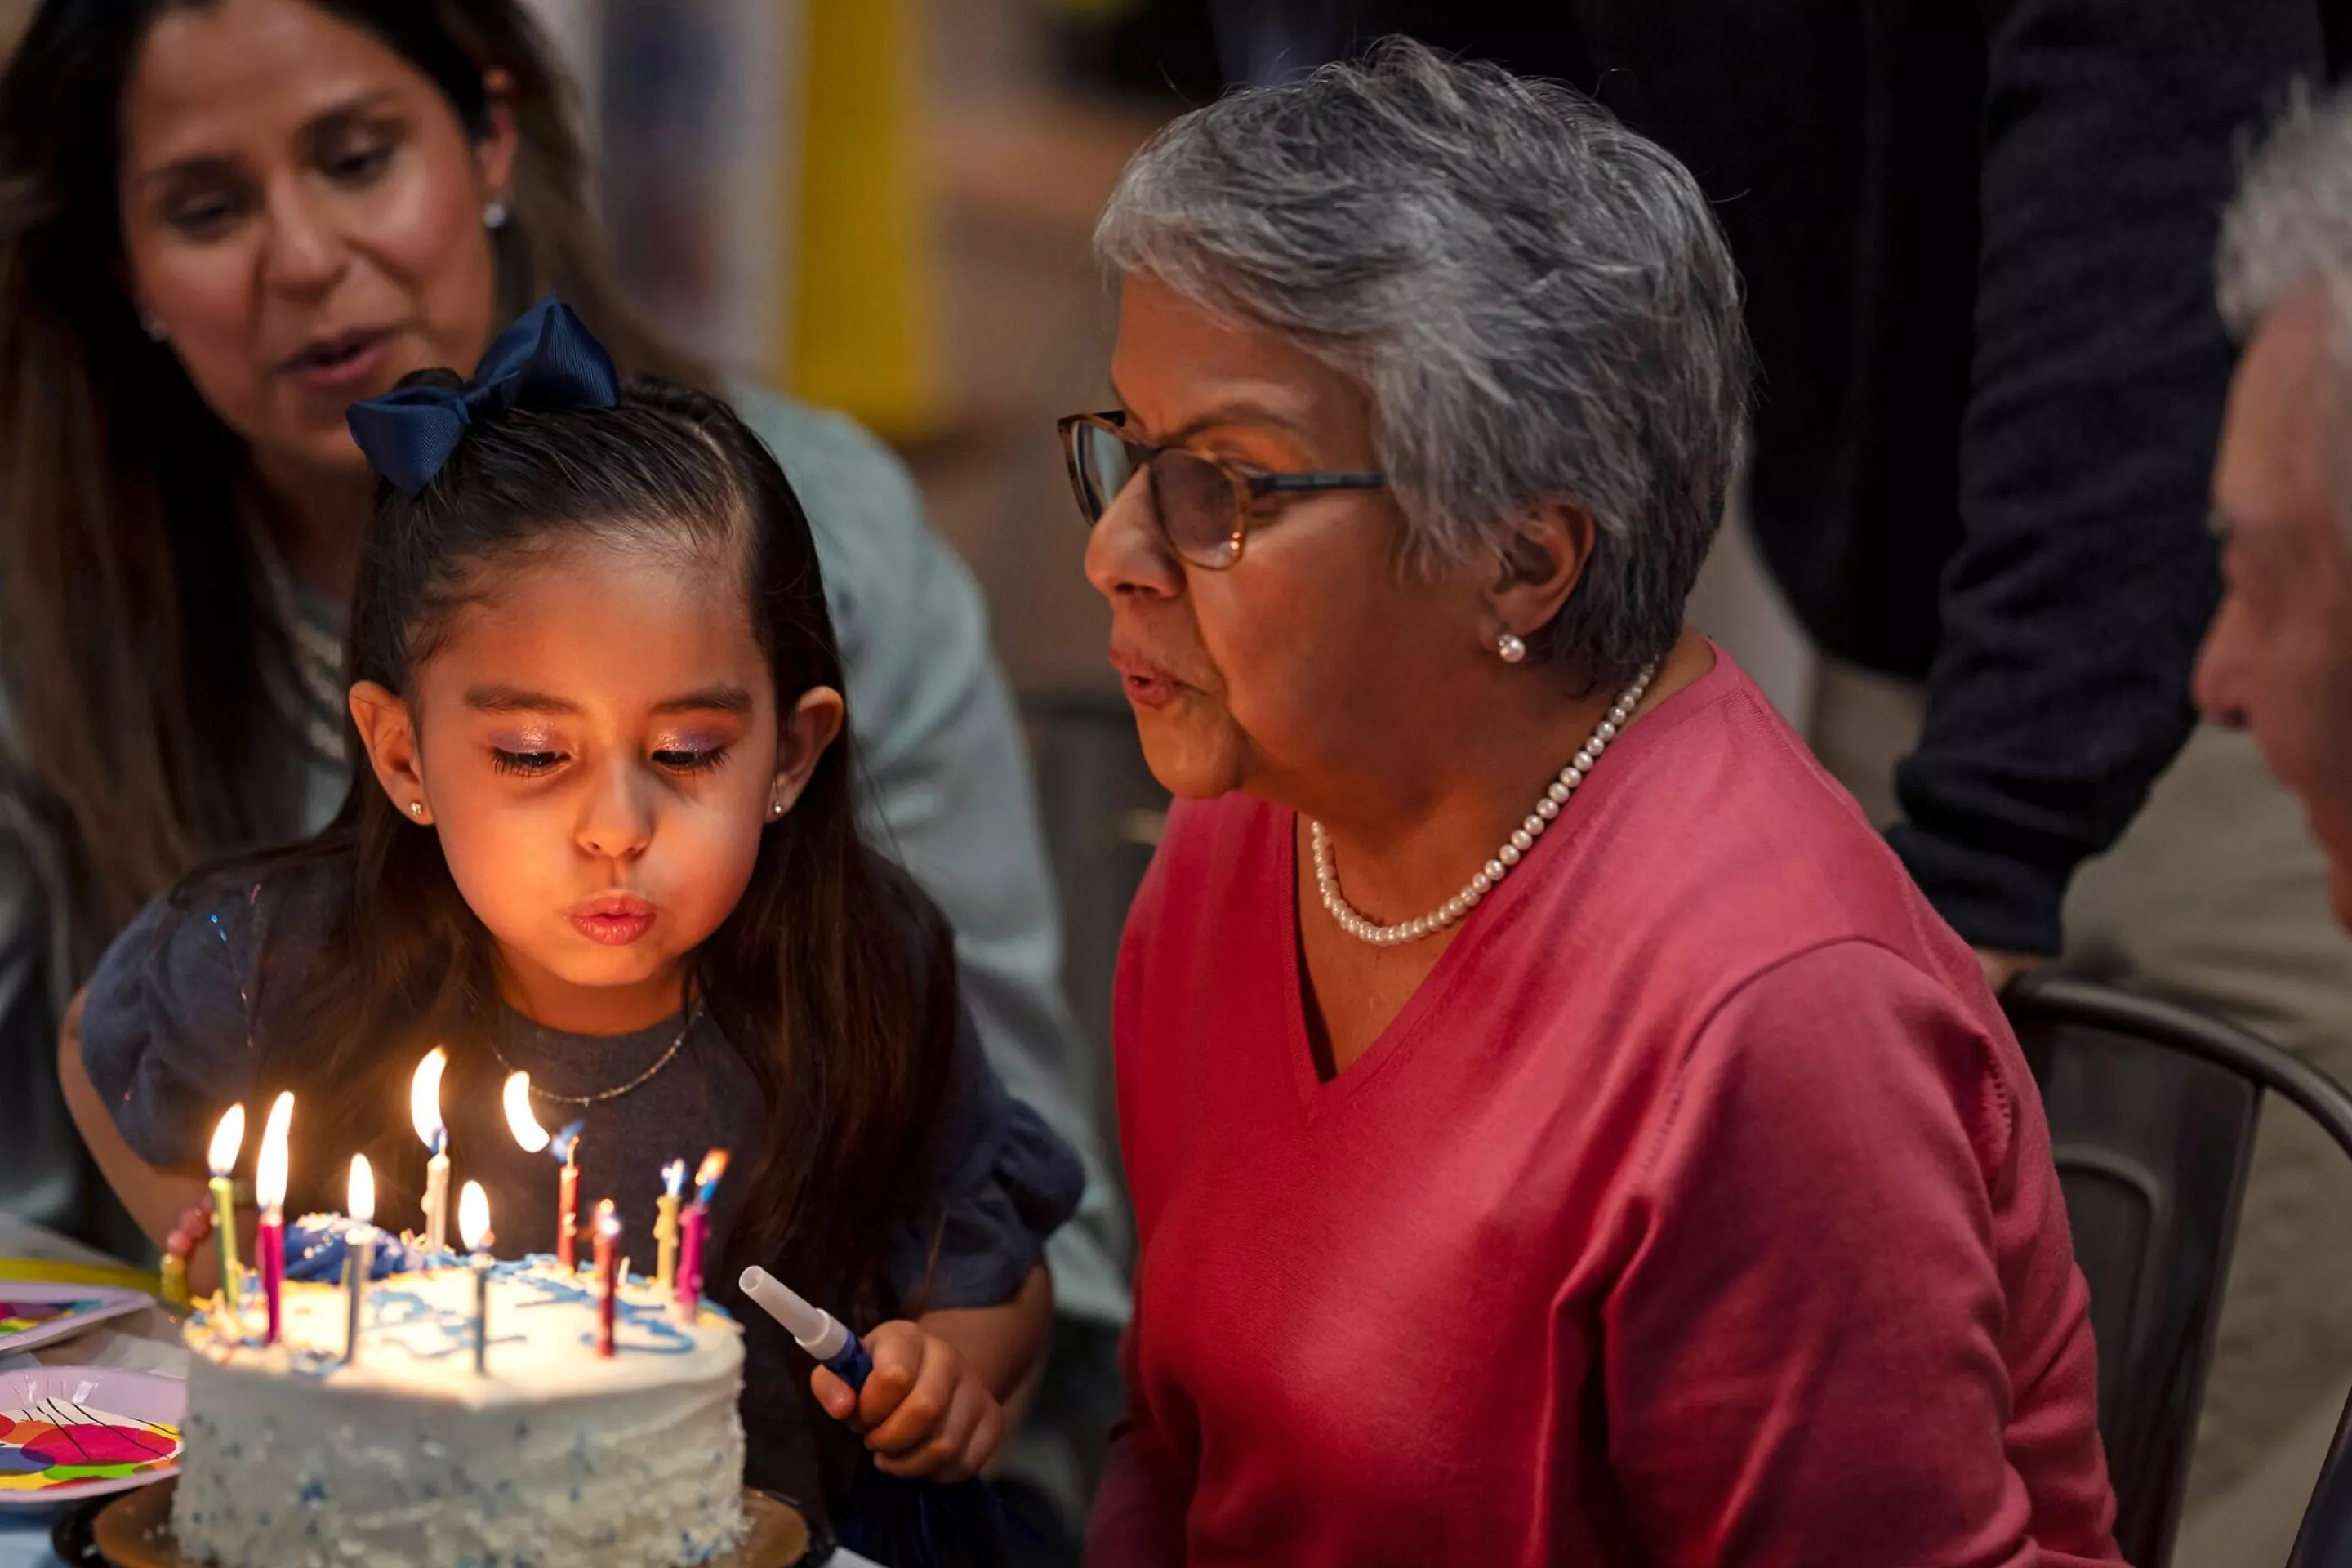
[(861, 329)]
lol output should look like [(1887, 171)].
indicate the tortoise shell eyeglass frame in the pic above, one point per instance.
[(1202, 505)]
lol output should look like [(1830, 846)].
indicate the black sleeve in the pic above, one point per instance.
[(2085, 576)]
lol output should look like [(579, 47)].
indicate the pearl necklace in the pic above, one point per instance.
[(1523, 839)]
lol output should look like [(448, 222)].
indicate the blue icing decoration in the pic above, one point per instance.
[(314, 1490), (316, 1243)]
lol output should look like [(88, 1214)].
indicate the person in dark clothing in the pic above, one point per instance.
[(1977, 246)]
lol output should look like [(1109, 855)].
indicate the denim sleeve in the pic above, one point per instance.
[(163, 1031), (946, 791), (2085, 575), (1004, 1182)]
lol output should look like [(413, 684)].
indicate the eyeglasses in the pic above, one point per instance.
[(1203, 506)]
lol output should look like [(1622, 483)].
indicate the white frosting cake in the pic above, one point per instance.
[(407, 1456)]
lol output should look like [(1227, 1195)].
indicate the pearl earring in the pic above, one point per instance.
[(1510, 647), (417, 809), (152, 327), (775, 808), (495, 213)]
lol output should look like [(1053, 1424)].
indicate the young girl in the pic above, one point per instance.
[(608, 838)]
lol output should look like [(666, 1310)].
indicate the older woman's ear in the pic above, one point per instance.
[(1539, 566)]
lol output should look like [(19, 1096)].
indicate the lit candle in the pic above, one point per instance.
[(608, 1259), (425, 1111), (269, 1190), (696, 1225), (566, 1145), (359, 1252), (228, 1143), (474, 1229), (666, 1228)]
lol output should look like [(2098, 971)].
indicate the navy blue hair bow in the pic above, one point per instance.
[(547, 362)]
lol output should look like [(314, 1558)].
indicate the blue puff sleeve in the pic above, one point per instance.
[(1005, 1183), (163, 1031)]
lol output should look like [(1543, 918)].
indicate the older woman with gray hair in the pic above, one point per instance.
[(1559, 1130)]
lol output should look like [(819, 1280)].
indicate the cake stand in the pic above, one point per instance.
[(135, 1531)]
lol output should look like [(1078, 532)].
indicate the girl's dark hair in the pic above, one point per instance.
[(813, 979), (832, 979), (135, 646)]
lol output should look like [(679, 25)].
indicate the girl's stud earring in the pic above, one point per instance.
[(495, 213), (1510, 647), (152, 327), (417, 809), (775, 808)]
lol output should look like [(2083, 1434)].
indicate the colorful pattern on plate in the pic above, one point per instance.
[(15, 1316), (58, 1444)]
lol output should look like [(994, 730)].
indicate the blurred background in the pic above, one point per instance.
[(883, 207)]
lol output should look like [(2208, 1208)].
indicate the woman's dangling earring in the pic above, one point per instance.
[(495, 213), (1510, 647)]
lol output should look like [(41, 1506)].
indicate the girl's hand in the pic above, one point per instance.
[(926, 1413)]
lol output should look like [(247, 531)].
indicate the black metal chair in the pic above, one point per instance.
[(2152, 1111), (2325, 1539)]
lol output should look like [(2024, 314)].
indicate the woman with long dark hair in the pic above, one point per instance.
[(220, 226)]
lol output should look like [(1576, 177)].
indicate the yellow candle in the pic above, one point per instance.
[(175, 1280), (228, 1141), (666, 1228)]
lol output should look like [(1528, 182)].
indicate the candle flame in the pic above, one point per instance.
[(425, 1098), (527, 1129), (566, 1142), (362, 1205), (228, 1141), (473, 1216), (706, 1180), (673, 1176), (269, 1166), (607, 1223)]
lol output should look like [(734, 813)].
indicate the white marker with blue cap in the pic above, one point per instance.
[(814, 1328)]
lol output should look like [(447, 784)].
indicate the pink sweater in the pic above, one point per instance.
[(1697, 1209)]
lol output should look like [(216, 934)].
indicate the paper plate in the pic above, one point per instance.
[(38, 1313), (69, 1432)]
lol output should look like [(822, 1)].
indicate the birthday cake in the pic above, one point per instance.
[(404, 1453)]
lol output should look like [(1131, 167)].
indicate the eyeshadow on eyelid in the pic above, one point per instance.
[(525, 741), (691, 741)]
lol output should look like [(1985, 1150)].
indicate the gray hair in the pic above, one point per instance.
[(2289, 228), (1538, 301)]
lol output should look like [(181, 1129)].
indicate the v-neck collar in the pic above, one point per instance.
[(1317, 1095)]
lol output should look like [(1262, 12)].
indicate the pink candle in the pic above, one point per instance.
[(271, 1244), (693, 1226), (608, 1266), (269, 1190), (567, 1213)]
